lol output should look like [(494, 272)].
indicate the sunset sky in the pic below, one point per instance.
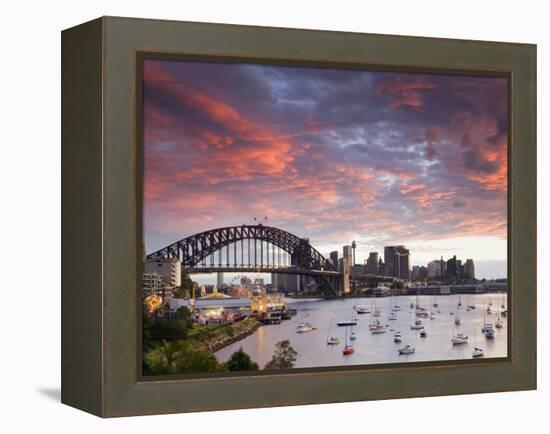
[(331, 155)]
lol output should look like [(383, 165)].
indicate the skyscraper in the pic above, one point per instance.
[(403, 266), (452, 269), (469, 269), (436, 268), (397, 259), (348, 256), (334, 259), (372, 263)]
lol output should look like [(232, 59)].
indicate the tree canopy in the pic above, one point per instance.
[(284, 356), (241, 361)]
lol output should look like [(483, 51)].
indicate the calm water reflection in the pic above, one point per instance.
[(379, 348)]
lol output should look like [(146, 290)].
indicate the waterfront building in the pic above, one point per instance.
[(168, 269), (372, 263), (469, 269), (437, 268), (151, 284), (334, 259)]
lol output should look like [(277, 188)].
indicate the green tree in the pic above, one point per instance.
[(240, 361), (161, 329), (180, 358), (283, 357)]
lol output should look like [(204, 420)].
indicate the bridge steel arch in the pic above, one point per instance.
[(192, 250)]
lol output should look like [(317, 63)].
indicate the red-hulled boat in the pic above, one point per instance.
[(348, 350)]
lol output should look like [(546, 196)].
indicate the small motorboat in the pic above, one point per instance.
[(422, 314), (478, 352), (392, 317), (362, 309), (377, 313), (498, 323), (352, 336), (489, 332), (504, 313), (459, 339), (471, 306), (397, 308), (380, 329), (348, 350), (304, 327), (423, 333), (457, 320), (397, 338), (407, 349), (489, 310)]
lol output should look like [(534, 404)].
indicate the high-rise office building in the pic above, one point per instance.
[(219, 280), (348, 256), (372, 263), (452, 269), (436, 268), (334, 259), (403, 266), (397, 259), (469, 269)]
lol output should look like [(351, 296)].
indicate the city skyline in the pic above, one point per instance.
[(332, 155)]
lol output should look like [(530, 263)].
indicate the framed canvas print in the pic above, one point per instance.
[(262, 217)]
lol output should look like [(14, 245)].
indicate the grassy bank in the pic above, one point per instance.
[(214, 338)]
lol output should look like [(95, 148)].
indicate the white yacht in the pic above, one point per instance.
[(407, 349), (304, 327), (478, 352), (459, 338), (362, 309), (380, 329), (374, 325), (489, 331)]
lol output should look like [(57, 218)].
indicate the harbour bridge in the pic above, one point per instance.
[(262, 249)]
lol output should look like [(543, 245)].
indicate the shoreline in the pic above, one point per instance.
[(216, 343)]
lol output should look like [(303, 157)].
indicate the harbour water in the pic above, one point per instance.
[(313, 350)]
